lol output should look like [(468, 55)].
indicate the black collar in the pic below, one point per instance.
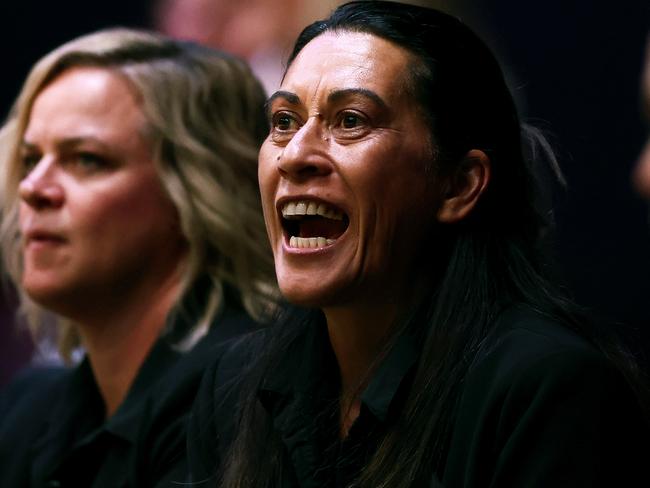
[(78, 415), (76, 419), (309, 365), (301, 389)]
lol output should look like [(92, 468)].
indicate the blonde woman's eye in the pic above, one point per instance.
[(28, 162), (90, 161)]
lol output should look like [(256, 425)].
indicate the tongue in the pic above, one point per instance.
[(322, 227)]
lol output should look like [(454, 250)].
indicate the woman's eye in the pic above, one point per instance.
[(350, 121), (283, 121), (89, 161), (351, 124), (29, 162), (283, 126)]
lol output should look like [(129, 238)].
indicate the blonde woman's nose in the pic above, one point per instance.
[(40, 188)]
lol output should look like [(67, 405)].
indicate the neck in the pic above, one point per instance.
[(357, 335), (119, 338)]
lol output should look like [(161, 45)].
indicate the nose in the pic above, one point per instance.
[(41, 189), (307, 153)]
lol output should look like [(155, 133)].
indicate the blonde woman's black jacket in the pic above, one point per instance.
[(539, 408), (52, 430)]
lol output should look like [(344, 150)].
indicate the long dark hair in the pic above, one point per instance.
[(487, 261)]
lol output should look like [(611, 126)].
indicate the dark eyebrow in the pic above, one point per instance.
[(337, 95), (290, 97)]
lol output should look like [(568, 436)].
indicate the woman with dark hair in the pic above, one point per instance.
[(429, 347)]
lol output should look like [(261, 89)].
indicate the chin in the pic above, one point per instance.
[(39, 290), (301, 297), (42, 295), (51, 296), (316, 296)]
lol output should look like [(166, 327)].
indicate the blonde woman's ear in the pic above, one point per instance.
[(465, 187)]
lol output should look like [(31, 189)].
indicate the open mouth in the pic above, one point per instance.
[(312, 224)]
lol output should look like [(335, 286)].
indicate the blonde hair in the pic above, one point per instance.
[(206, 123)]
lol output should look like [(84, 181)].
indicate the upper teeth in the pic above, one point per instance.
[(305, 207)]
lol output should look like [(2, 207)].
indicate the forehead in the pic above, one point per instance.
[(86, 99), (337, 60)]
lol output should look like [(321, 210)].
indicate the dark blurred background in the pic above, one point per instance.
[(574, 67)]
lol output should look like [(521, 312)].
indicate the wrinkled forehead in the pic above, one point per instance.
[(340, 60)]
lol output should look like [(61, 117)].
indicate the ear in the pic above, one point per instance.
[(465, 187)]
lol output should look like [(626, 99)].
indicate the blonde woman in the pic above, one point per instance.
[(131, 218)]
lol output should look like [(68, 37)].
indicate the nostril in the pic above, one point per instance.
[(308, 168), (25, 189), (40, 194), (304, 171), (299, 168)]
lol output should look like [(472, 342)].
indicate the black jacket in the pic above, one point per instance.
[(52, 430), (539, 407)]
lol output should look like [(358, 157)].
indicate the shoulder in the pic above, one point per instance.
[(530, 356), (26, 411), (215, 355), (176, 388), (539, 398), (29, 391), (215, 411), (523, 341), (223, 378), (520, 326), (163, 432)]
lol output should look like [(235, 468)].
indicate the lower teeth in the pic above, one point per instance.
[(310, 242)]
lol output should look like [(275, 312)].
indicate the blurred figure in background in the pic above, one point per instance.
[(260, 31), (642, 172), (15, 343), (131, 218)]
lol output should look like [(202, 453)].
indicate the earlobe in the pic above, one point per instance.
[(465, 187)]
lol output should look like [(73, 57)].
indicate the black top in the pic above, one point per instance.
[(540, 407), (52, 427)]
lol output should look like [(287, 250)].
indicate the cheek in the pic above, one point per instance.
[(116, 211), (400, 212), (267, 165), (396, 182), (268, 178), (23, 212), (117, 216)]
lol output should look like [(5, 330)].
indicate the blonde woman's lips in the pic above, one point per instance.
[(43, 238)]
